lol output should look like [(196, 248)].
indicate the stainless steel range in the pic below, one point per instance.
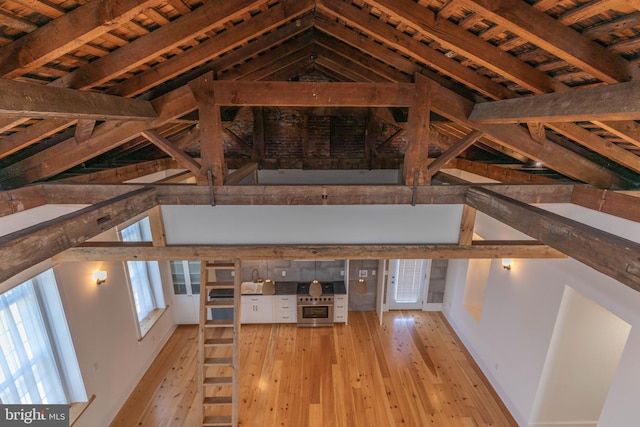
[(315, 311)]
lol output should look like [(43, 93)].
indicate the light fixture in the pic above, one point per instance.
[(315, 288), (100, 277), (506, 263), (269, 286)]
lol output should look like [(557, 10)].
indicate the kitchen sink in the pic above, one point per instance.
[(251, 288)]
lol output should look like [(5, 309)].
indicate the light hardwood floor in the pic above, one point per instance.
[(411, 371)]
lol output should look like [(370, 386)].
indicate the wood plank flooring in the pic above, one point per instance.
[(411, 371)]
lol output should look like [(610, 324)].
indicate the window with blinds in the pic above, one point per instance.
[(409, 276)]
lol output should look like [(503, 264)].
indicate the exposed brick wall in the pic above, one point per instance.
[(283, 132), (347, 136)]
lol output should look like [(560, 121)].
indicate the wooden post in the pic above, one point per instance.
[(211, 131), (416, 156)]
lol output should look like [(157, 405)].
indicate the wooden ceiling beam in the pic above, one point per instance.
[(609, 254), (241, 173), (359, 70), (66, 33), (125, 173), (498, 173), (408, 46), (84, 129), (178, 64), (305, 194), (69, 153), (456, 108), (168, 147), (43, 129), (450, 36), (619, 101), (25, 248), (378, 30), (32, 100), (350, 55), (272, 62), (598, 144), (207, 17), (453, 152), (556, 38), (222, 43), (17, 23), (116, 251), (21, 199), (627, 130), (610, 202), (362, 44), (312, 94)]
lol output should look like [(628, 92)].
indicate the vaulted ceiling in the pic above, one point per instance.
[(96, 90)]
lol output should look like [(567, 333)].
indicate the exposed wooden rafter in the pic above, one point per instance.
[(611, 102), (27, 99), (25, 248), (116, 251), (611, 255)]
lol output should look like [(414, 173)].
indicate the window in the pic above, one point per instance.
[(38, 363), (144, 277)]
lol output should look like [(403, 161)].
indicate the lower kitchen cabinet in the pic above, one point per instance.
[(285, 308), (340, 307), (257, 309)]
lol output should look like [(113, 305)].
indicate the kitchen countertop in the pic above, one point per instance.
[(282, 288)]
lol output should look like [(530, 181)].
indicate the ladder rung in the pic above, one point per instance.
[(218, 342), (218, 380), (217, 361), (220, 303), (218, 400), (220, 285), (218, 421), (219, 324)]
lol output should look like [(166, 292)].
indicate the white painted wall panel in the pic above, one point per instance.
[(520, 309), (311, 224)]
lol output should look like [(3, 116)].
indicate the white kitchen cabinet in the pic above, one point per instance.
[(285, 308), (257, 309), (340, 308), (186, 291)]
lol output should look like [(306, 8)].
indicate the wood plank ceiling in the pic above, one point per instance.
[(470, 56)]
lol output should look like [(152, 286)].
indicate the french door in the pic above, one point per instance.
[(406, 283)]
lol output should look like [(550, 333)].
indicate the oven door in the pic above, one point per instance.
[(315, 315)]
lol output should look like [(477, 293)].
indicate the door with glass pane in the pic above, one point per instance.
[(406, 283), (186, 291)]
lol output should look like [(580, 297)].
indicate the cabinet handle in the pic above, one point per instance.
[(285, 307)]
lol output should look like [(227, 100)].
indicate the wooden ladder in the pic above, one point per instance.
[(219, 334)]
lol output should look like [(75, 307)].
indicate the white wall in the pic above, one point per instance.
[(299, 176), (585, 349), (101, 320), (34, 216), (311, 224), (103, 329), (511, 341)]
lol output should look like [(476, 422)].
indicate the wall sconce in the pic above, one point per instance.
[(100, 277), (506, 263)]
